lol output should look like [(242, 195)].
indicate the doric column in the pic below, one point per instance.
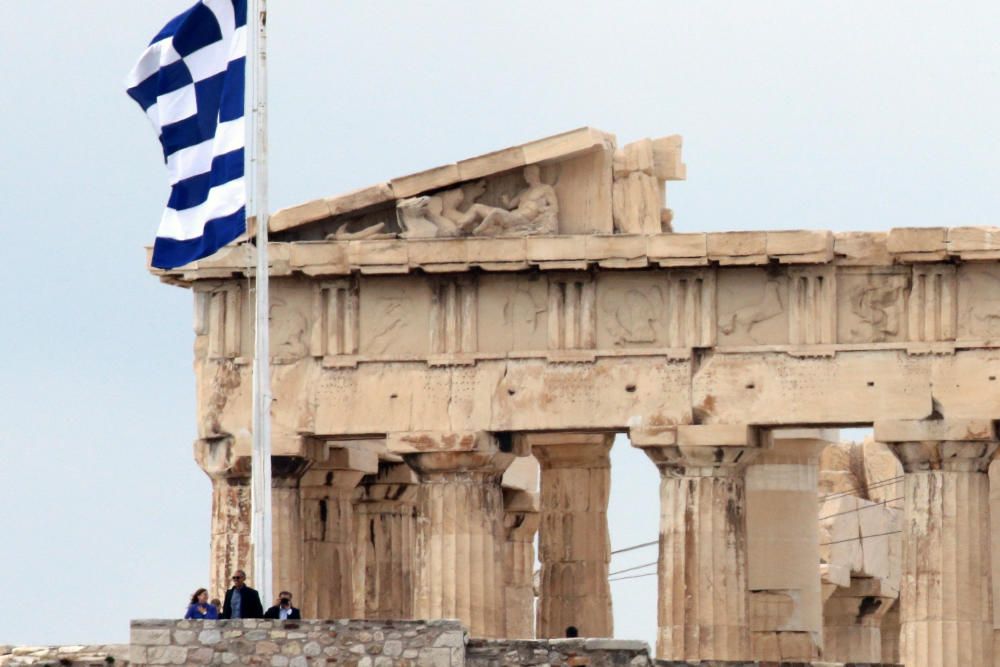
[(947, 614), (286, 524), (574, 547), (385, 543), (853, 621), (786, 607), (520, 525), (703, 611), (230, 543), (460, 533), (327, 491)]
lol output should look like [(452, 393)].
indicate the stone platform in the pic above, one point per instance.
[(311, 643)]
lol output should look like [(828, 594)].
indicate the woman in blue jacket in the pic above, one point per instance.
[(200, 607)]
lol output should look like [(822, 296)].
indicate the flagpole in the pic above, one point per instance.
[(261, 457)]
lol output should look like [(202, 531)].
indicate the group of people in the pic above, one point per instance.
[(241, 602)]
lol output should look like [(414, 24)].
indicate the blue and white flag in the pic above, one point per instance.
[(190, 81)]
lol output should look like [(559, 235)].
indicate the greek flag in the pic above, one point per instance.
[(190, 81)]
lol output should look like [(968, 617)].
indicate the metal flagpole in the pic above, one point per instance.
[(260, 493)]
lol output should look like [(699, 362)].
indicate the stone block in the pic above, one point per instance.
[(801, 242), (723, 245), (166, 655), (981, 430), (380, 193), (422, 181), (916, 239), (295, 216), (568, 144), (717, 435), (150, 637), (491, 163)]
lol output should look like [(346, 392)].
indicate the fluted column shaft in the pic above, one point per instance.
[(230, 548), (286, 524), (460, 538), (703, 610), (946, 613), (327, 494), (521, 525), (574, 547), (385, 542)]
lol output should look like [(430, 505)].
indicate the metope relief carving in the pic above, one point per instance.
[(932, 303), (978, 301), (512, 313), (753, 307), (288, 331), (335, 319), (456, 212), (394, 317), (871, 305), (632, 317), (571, 320), (453, 315)]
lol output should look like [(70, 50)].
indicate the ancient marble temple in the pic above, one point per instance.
[(454, 351)]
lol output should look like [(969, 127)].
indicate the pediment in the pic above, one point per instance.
[(577, 182)]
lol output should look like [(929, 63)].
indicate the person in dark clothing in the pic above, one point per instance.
[(284, 609), (241, 600)]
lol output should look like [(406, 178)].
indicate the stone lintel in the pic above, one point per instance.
[(804, 443), (935, 430), (576, 450), (417, 442)]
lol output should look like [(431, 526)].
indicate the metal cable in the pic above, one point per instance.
[(630, 569), (858, 509)]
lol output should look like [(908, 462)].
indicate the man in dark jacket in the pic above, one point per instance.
[(283, 610), (241, 600)]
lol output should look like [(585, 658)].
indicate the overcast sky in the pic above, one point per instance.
[(795, 114)]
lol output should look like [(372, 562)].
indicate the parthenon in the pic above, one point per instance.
[(454, 351)]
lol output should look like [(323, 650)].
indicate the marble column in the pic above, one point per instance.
[(460, 532), (574, 547), (230, 542), (385, 543), (786, 606), (703, 610), (945, 593), (327, 491), (286, 525), (852, 630), (521, 512)]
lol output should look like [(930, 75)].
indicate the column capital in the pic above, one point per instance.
[(217, 457), (575, 450), (700, 450), (393, 482), (418, 442), (521, 514), (337, 465), (954, 445)]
